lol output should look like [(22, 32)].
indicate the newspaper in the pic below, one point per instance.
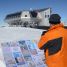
[(23, 53)]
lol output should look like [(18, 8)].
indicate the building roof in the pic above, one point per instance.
[(19, 13), (39, 10), (13, 15)]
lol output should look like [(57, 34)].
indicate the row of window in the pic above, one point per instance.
[(25, 24), (17, 16), (46, 16)]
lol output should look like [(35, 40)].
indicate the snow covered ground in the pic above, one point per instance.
[(8, 34), (15, 33)]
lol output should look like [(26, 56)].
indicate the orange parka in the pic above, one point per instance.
[(54, 44)]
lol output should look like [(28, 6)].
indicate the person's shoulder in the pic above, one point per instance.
[(65, 30), (46, 33)]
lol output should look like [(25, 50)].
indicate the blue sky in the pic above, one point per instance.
[(10, 6)]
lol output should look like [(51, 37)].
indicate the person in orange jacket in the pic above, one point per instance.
[(54, 43)]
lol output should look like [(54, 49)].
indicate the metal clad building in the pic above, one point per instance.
[(29, 18)]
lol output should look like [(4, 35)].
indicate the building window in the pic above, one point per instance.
[(25, 24), (33, 14), (46, 16), (25, 15)]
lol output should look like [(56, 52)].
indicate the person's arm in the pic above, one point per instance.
[(43, 43), (53, 45)]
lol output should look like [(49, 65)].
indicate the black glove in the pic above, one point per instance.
[(43, 33)]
